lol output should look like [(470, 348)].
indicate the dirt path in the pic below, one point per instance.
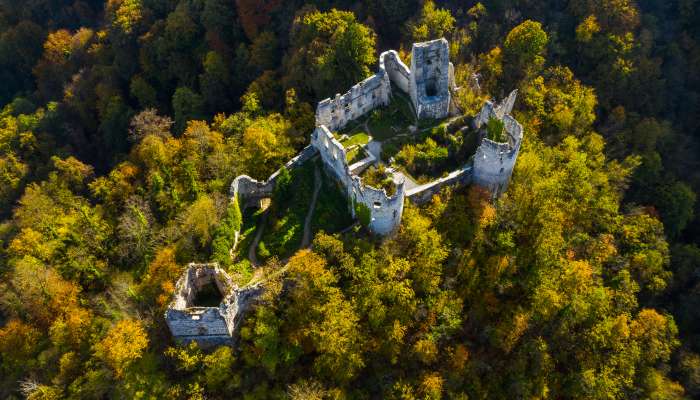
[(306, 240), (252, 253)]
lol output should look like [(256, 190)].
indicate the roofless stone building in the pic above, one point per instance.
[(207, 307)]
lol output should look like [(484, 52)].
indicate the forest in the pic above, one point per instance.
[(124, 122)]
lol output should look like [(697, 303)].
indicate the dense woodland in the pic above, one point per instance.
[(124, 122)]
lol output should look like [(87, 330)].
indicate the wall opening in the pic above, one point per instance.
[(430, 89), (377, 204), (207, 296)]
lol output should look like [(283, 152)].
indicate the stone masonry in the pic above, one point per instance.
[(207, 325), (428, 82), (494, 162), (430, 79)]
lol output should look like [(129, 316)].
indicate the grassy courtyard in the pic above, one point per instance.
[(386, 122), (285, 223), (332, 210)]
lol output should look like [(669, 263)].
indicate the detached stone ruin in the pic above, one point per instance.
[(207, 307)]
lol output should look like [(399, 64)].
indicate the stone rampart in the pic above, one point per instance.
[(422, 194), (362, 98), (385, 210), (249, 191), (398, 72)]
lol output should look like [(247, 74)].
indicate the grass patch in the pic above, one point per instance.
[(359, 138), (355, 154), (353, 126), (251, 216), (332, 213), (496, 130), (285, 224), (379, 178), (386, 122)]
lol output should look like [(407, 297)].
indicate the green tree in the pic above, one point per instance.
[(431, 23), (187, 106), (331, 48), (524, 50)]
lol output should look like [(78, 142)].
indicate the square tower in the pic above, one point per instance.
[(429, 85)]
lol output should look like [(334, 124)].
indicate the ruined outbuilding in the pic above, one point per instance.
[(207, 306)]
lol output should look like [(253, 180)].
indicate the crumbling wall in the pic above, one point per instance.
[(429, 85), (208, 326), (423, 193), (398, 72), (362, 98), (248, 191), (332, 153), (385, 211)]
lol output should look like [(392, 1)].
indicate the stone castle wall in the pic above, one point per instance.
[(248, 191), (398, 72), (362, 98), (428, 82), (385, 210), (424, 193)]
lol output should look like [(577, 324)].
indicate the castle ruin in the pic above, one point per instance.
[(207, 306), (429, 83)]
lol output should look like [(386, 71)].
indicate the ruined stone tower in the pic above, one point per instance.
[(429, 85), (494, 161)]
